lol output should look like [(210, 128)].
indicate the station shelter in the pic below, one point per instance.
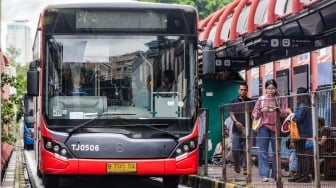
[(292, 41)]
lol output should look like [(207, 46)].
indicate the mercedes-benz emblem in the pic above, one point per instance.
[(120, 147)]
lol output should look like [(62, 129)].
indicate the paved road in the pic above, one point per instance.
[(94, 182)]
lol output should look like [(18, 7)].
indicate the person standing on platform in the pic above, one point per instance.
[(237, 114), (266, 133), (303, 117)]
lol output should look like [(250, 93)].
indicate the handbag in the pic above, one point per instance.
[(294, 131), (285, 127), (256, 123)]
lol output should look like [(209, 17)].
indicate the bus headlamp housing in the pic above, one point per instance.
[(56, 148), (185, 147)]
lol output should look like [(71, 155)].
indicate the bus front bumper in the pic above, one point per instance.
[(56, 164)]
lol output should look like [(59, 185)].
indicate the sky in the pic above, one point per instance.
[(28, 10)]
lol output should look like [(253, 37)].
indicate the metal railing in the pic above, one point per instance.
[(322, 104)]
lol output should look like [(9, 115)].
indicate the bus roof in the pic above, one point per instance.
[(130, 4), (68, 18)]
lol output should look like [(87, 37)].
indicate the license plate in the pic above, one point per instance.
[(121, 167)]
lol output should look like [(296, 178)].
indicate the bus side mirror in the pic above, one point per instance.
[(33, 79), (208, 61)]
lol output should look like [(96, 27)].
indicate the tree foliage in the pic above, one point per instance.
[(12, 54), (8, 108), (21, 71), (204, 7), (12, 107), (21, 78)]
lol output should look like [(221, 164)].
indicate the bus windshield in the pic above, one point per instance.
[(119, 77)]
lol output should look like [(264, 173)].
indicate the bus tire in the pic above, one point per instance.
[(50, 181), (170, 181)]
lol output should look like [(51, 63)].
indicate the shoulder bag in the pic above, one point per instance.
[(256, 123)]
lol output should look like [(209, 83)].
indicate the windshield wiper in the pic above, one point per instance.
[(72, 130), (160, 130)]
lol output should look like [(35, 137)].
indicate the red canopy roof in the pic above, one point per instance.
[(259, 31), (245, 16)]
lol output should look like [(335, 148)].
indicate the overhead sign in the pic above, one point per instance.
[(283, 42), (231, 62)]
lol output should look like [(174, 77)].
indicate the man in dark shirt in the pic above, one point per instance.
[(237, 114)]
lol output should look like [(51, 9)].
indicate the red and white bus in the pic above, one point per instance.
[(95, 79)]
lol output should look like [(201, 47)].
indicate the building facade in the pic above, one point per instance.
[(19, 37)]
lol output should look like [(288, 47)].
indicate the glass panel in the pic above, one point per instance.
[(119, 76), (94, 19)]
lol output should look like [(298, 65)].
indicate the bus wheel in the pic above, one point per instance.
[(50, 181), (170, 181)]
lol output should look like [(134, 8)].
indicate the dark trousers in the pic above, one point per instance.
[(304, 167)]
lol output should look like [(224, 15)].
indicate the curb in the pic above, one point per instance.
[(196, 181), (28, 173), (16, 175), (201, 181), (9, 175)]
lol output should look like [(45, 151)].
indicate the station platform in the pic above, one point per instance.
[(214, 179)]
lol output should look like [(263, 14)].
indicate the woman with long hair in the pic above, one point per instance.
[(266, 110)]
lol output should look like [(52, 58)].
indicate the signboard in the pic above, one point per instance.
[(300, 77), (231, 62), (282, 78), (283, 42), (208, 61)]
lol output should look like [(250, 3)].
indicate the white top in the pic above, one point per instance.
[(229, 124)]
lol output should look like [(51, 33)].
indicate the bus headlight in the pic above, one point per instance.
[(192, 144), (185, 147), (48, 145), (57, 148), (178, 151), (63, 151)]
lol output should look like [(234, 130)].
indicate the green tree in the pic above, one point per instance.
[(21, 71), (12, 54), (8, 108), (21, 78), (204, 7), (13, 106), (21, 87)]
